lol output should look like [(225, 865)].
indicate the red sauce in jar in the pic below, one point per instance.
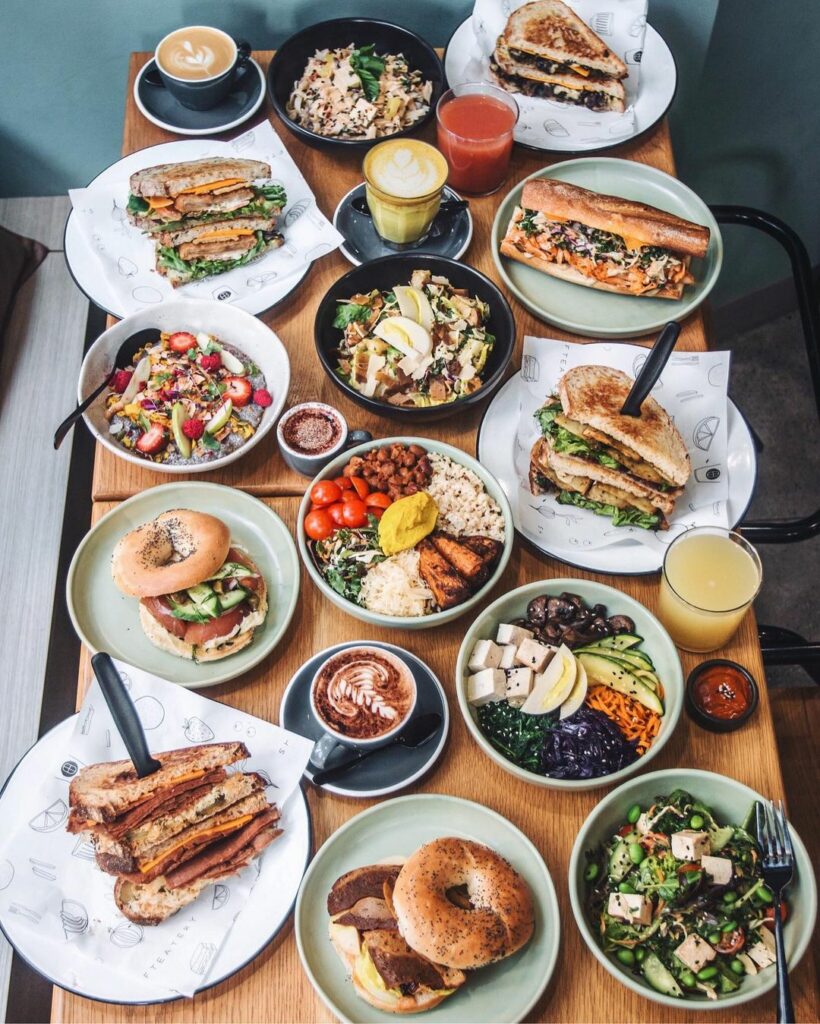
[(722, 692)]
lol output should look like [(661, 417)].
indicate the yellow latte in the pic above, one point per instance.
[(404, 179)]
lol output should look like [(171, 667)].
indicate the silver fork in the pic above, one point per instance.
[(778, 867)]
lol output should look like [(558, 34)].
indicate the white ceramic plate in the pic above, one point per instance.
[(656, 90), (258, 923), (224, 320), (496, 446)]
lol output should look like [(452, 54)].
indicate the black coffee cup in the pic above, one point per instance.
[(203, 93)]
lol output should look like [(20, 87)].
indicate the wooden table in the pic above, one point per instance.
[(273, 987)]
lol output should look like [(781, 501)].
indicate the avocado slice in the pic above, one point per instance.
[(634, 658), (660, 977), (621, 641), (609, 672), (177, 419)]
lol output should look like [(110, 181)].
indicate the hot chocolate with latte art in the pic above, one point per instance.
[(363, 693)]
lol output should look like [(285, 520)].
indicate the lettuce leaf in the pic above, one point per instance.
[(168, 257), (137, 205), (348, 312), (619, 516), (565, 441)]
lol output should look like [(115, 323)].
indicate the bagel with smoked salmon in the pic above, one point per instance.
[(201, 596)]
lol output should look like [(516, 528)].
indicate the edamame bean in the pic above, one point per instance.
[(706, 973), (626, 887), (640, 954), (687, 979), (729, 896), (696, 821), (729, 926), (636, 853), (714, 938), (626, 956), (765, 894), (591, 872), (737, 966), (633, 813)]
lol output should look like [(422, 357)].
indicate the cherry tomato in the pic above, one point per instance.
[(343, 482), (335, 511), (377, 500), (354, 513), (375, 511), (769, 915), (732, 942), (624, 830), (360, 486), (182, 342), (350, 495), (325, 492), (318, 525), (688, 867)]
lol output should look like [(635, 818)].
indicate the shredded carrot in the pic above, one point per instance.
[(635, 721)]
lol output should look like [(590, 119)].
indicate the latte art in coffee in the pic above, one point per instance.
[(363, 693), (196, 53)]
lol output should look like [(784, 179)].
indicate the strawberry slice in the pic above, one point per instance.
[(239, 390), (152, 441), (182, 342)]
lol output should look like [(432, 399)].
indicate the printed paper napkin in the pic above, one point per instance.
[(621, 24), (692, 389), (126, 256), (57, 890)]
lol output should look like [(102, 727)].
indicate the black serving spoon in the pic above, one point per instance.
[(652, 369), (415, 734), (124, 714), (125, 356), (447, 209)]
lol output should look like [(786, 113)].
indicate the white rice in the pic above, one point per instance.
[(464, 507), (395, 587)]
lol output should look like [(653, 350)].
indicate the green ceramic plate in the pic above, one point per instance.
[(506, 991), (731, 801), (107, 620), (604, 314)]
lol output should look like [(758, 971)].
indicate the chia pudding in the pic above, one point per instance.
[(188, 400)]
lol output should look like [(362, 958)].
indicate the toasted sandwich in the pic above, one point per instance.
[(546, 50), (364, 931), (604, 242), (193, 251), (631, 469), (168, 835)]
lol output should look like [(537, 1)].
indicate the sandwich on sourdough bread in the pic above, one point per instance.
[(631, 469), (171, 834), (547, 51), (603, 242)]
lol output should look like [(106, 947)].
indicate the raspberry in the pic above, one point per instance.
[(209, 363), (262, 397), (193, 429), (122, 378)]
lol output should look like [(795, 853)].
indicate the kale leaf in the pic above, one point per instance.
[(350, 311)]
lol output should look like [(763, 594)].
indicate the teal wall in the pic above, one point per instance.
[(745, 122)]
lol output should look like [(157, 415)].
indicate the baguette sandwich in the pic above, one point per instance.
[(604, 242)]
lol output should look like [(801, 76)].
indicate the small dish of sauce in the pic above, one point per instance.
[(721, 695)]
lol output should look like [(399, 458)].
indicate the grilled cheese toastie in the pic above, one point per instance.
[(631, 469), (547, 51), (603, 242)]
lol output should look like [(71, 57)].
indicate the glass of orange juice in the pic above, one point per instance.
[(710, 578)]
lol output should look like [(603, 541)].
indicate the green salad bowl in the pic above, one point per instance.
[(656, 643), (493, 489), (730, 800)]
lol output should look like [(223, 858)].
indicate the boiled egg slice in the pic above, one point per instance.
[(554, 684), (404, 334), (415, 305)]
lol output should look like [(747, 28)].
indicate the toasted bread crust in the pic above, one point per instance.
[(640, 221), (171, 179), (552, 29), (509, 65)]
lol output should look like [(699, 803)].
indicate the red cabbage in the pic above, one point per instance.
[(585, 746)]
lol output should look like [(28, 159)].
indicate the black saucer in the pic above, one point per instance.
[(157, 104)]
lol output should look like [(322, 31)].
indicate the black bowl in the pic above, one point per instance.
[(386, 273), (291, 58)]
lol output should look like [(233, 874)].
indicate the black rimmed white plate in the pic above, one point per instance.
[(496, 452), (391, 769), (657, 85), (160, 107), (64, 965), (449, 236)]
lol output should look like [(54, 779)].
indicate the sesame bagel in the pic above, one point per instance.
[(178, 549), (498, 922)]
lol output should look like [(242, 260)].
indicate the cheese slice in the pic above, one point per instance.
[(198, 190), (159, 202), (211, 236), (579, 70), (632, 243), (228, 826), (188, 775)]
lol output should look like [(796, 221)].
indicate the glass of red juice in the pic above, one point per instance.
[(475, 133)]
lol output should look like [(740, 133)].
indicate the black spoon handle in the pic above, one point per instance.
[(330, 774), (71, 419), (124, 714), (651, 369), (447, 208)]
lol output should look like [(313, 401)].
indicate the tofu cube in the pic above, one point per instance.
[(507, 656), (515, 635), (488, 685), (718, 869), (519, 684), (690, 845), (534, 655), (485, 654), (695, 952), (763, 951), (630, 907)]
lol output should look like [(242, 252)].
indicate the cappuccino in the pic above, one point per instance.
[(196, 54)]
